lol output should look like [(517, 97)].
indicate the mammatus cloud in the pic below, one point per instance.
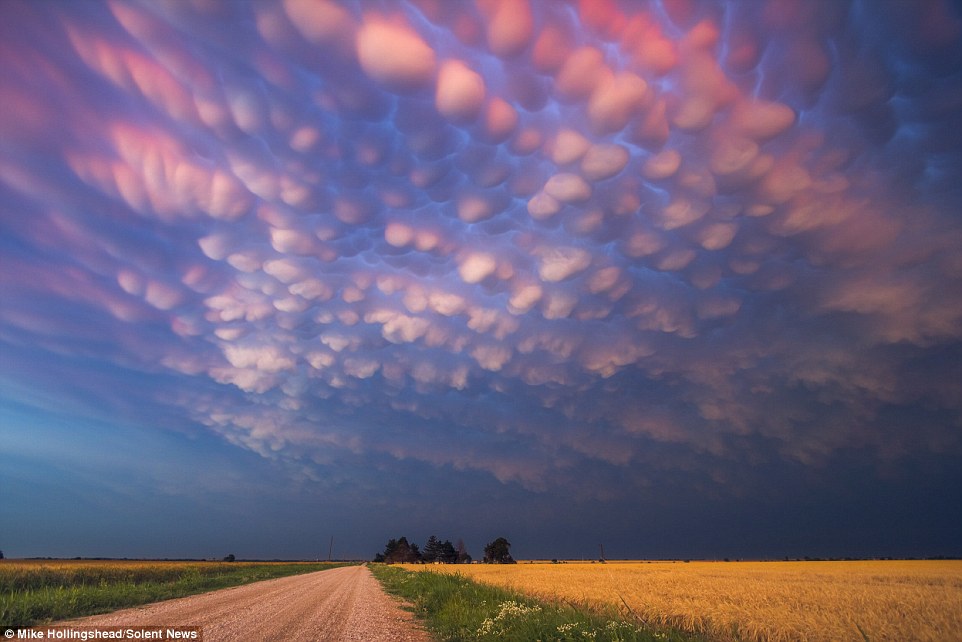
[(522, 238)]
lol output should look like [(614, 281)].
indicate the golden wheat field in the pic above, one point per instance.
[(812, 601)]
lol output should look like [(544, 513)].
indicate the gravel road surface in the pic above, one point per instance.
[(344, 603)]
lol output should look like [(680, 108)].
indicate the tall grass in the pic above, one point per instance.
[(38, 593), (455, 608)]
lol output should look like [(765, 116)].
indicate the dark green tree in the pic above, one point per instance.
[(448, 553), (399, 551), (389, 550), (498, 552), (432, 551), (230, 558)]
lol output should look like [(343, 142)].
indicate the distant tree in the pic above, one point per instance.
[(448, 553), (230, 558), (389, 550), (498, 552), (462, 553), (399, 551), (432, 551)]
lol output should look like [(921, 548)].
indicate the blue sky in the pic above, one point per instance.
[(683, 278)]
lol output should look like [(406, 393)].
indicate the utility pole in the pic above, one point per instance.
[(330, 549), (602, 546)]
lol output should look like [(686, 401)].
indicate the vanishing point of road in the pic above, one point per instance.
[(344, 603)]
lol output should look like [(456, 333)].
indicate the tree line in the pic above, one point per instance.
[(401, 551)]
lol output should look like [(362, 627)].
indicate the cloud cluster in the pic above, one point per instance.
[(515, 237)]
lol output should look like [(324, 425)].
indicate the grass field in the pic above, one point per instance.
[(41, 591), (754, 601), (455, 608)]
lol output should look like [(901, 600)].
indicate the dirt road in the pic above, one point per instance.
[(344, 603)]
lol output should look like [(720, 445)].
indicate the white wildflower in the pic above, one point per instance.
[(486, 627)]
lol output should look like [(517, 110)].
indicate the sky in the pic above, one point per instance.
[(682, 278)]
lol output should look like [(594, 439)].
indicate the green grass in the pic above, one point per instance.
[(42, 594), (456, 608)]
